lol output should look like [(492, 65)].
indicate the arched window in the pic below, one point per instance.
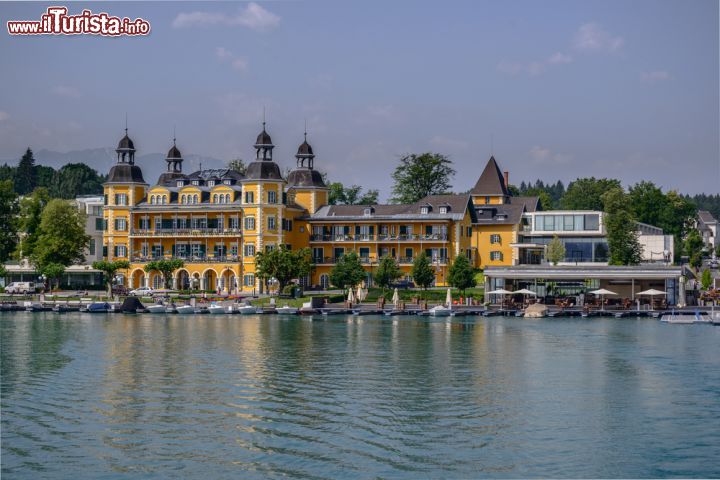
[(215, 199), (164, 199), (324, 281), (152, 199), (182, 199), (227, 198), (195, 199)]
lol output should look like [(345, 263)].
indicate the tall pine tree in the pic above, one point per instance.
[(25, 178)]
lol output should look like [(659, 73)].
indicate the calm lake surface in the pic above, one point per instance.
[(113, 396)]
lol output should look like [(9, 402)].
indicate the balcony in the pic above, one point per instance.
[(186, 232), (373, 260), (430, 237), (188, 259)]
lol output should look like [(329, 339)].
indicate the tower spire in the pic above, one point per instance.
[(126, 123)]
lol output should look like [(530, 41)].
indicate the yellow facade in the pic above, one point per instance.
[(217, 221)]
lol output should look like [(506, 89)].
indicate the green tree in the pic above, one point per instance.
[(283, 265), (53, 271), (555, 250), (352, 195), (678, 218), (44, 176), (693, 247), (238, 165), (31, 208), (347, 272), (586, 193), (386, 272), (8, 220), (109, 269), (25, 179), (461, 274), (418, 176), (706, 279), (422, 272), (648, 203), (62, 237), (76, 179), (165, 267), (621, 229), (544, 198)]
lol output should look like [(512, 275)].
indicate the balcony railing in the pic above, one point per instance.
[(374, 260), (442, 237), (188, 258), (184, 232)]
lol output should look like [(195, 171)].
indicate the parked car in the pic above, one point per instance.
[(713, 264), (142, 292), (401, 284), (20, 287)]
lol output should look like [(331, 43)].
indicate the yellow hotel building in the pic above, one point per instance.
[(216, 220)]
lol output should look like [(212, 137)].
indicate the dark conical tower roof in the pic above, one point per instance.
[(491, 181)]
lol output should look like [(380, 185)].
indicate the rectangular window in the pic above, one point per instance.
[(364, 252), (271, 223), (579, 223), (249, 280), (234, 222), (121, 251), (495, 238), (249, 250), (592, 222), (157, 251), (91, 247), (272, 197), (408, 252), (121, 224), (549, 222), (249, 223), (144, 249), (120, 199), (249, 197), (318, 254), (99, 224), (497, 256), (338, 252), (569, 222)]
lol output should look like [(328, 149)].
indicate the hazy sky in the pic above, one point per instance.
[(627, 89)]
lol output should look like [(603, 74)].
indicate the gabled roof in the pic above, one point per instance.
[(491, 181), (458, 205), (706, 217), (531, 204)]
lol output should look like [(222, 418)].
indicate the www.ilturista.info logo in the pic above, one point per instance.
[(56, 21)]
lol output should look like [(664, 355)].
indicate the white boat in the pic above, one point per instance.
[(217, 309), (286, 310), (246, 309), (156, 308), (440, 311), (685, 318), (185, 309)]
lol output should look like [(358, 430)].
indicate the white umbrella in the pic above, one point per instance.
[(396, 298), (652, 292), (448, 298), (351, 296), (360, 294), (602, 292), (525, 292), (499, 291)]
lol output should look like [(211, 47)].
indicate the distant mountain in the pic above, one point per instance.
[(102, 159)]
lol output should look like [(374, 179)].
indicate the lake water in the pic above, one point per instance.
[(96, 396)]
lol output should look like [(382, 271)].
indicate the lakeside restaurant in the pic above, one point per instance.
[(571, 284)]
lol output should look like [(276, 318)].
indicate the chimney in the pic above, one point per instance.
[(505, 177)]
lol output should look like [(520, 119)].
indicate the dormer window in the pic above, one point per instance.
[(180, 183), (443, 210), (196, 182), (425, 210), (211, 183), (227, 182), (367, 211)]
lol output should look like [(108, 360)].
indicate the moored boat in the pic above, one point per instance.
[(158, 308), (98, 307), (185, 309), (286, 310), (440, 311), (217, 309), (246, 309)]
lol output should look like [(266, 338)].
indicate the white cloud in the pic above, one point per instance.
[(559, 57), (656, 76), (253, 16), (544, 155), (239, 64), (225, 55), (590, 37), (65, 91), (4, 116)]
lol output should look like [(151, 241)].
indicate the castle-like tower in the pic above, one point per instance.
[(124, 188), (306, 186)]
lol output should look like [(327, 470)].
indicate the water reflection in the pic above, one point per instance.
[(259, 397)]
